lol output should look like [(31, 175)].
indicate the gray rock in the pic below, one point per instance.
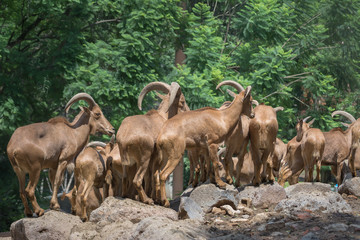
[(351, 186), (208, 196), (316, 197), (113, 209), (114, 230), (310, 236), (52, 225), (190, 209), (337, 227), (233, 236), (164, 228), (264, 195)]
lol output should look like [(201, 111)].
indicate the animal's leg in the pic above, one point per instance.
[(30, 190), (21, 177), (58, 177), (255, 155), (173, 161), (83, 196), (352, 162), (192, 166), (195, 162), (228, 165), (240, 162), (203, 168), (124, 182), (138, 179), (318, 168), (212, 151), (269, 167), (52, 173), (156, 178)]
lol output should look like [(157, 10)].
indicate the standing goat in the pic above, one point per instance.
[(137, 135), (53, 145), (354, 131), (203, 129), (312, 148), (263, 130), (92, 170)]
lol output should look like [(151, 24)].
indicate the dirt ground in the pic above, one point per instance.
[(301, 225)]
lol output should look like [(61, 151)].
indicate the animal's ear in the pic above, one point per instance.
[(311, 122), (85, 109), (160, 95), (247, 92), (231, 93)]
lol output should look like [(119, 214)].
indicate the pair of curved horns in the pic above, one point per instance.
[(173, 89), (78, 97), (232, 83), (345, 114)]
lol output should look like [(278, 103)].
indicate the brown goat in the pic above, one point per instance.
[(92, 169), (53, 145), (354, 129), (137, 135), (278, 156), (312, 148), (263, 130), (292, 164), (197, 130)]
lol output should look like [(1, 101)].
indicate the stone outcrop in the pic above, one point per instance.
[(315, 197)]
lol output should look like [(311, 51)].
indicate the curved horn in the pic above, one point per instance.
[(256, 103), (174, 89), (95, 144), (345, 114), (164, 87), (221, 151), (279, 109), (78, 97), (307, 118), (231, 83)]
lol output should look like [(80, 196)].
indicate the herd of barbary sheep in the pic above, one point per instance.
[(149, 147)]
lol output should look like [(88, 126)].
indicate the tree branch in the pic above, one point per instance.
[(102, 21), (299, 29), (24, 33)]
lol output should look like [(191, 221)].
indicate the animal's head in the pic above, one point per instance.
[(244, 95), (97, 120), (302, 126), (172, 103)]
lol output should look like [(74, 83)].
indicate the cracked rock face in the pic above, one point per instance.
[(316, 197)]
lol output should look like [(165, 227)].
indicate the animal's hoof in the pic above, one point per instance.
[(55, 207), (28, 213), (229, 180), (149, 201), (166, 203), (221, 185), (84, 219), (40, 212)]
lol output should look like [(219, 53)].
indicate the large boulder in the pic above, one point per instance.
[(315, 197), (113, 209), (208, 196), (52, 225), (164, 228), (190, 209), (265, 195), (120, 229), (351, 186)]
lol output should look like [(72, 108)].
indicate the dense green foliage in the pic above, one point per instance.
[(302, 55)]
